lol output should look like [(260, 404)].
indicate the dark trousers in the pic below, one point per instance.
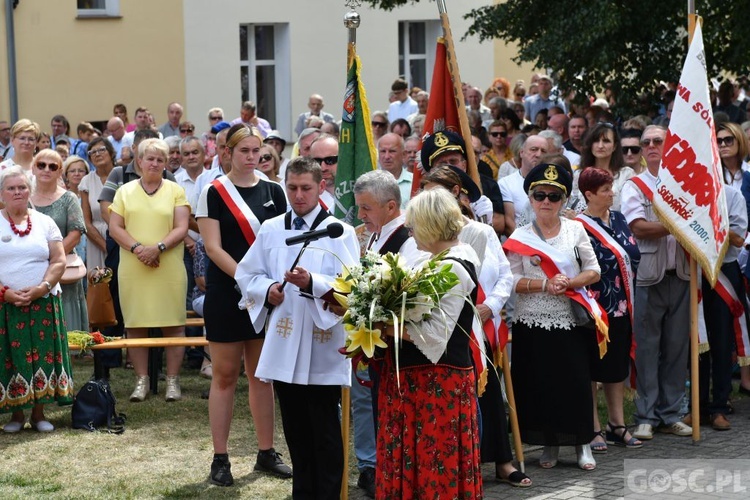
[(716, 364), (310, 415), (112, 358)]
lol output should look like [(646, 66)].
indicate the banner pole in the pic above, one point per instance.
[(694, 361), (510, 393), (458, 93)]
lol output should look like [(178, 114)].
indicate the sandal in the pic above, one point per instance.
[(619, 439), (599, 446), (515, 479), (549, 457), (585, 458)]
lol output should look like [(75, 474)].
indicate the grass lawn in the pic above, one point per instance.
[(165, 451)]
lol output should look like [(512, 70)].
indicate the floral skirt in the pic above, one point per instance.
[(34, 361), (428, 437)]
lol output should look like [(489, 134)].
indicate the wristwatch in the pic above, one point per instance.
[(48, 285), (161, 246)]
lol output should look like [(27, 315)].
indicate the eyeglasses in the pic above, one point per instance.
[(328, 160), (725, 141), (97, 151), (26, 139), (215, 117), (631, 150), (657, 141), (186, 130), (266, 157), (379, 124), (541, 195), (52, 167), (499, 134)]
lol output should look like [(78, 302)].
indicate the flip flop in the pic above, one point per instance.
[(515, 479)]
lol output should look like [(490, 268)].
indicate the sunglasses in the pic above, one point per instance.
[(541, 195), (215, 117), (631, 150), (725, 141), (499, 134), (328, 160), (97, 151), (52, 167), (186, 130), (379, 124), (657, 141), (267, 157)]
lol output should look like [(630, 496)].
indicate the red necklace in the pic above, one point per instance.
[(15, 229)]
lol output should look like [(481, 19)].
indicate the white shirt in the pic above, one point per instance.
[(511, 187), (408, 249), (398, 109)]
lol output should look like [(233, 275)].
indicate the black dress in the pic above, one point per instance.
[(225, 321)]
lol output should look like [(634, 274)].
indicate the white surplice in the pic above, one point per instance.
[(302, 339)]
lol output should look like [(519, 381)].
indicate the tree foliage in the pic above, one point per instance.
[(625, 45)]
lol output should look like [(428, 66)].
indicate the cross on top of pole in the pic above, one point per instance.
[(353, 4)]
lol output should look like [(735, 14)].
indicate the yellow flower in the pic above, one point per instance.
[(343, 300), (365, 338), (341, 285)]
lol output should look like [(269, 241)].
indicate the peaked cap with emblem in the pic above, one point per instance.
[(548, 174), (439, 143)]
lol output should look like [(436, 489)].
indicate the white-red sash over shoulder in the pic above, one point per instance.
[(555, 262), (249, 223)]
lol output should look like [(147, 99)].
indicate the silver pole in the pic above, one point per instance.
[(441, 7), (352, 20), (691, 6), (10, 37)]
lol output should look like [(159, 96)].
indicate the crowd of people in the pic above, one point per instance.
[(561, 203)]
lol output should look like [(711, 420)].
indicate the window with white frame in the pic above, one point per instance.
[(265, 73), (98, 8), (416, 51)]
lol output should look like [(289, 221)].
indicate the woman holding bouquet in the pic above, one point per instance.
[(550, 368), (433, 386)]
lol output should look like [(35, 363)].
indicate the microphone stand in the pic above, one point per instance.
[(294, 264)]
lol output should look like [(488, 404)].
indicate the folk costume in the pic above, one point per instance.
[(300, 354), (428, 437)]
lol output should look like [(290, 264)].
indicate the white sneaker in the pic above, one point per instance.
[(644, 432), (42, 426), (677, 428), (13, 426)]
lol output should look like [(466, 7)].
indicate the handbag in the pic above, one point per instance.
[(582, 316), (75, 269), (99, 303), (94, 407)]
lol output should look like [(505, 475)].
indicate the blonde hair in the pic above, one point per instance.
[(25, 125), (434, 216), (153, 146), (241, 131), (47, 153), (70, 160)]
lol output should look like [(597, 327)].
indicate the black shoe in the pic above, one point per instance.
[(367, 481), (221, 472), (270, 461)]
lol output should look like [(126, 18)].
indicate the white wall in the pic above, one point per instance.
[(318, 51)]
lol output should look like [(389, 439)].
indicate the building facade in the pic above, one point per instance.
[(79, 58)]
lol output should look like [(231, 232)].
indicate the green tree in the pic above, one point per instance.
[(627, 46)]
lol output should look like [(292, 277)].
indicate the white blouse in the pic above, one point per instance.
[(541, 309)]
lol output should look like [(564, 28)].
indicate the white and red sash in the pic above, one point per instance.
[(726, 291), (555, 262), (702, 332), (623, 259), (248, 222)]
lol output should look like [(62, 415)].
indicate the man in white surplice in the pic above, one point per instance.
[(300, 352)]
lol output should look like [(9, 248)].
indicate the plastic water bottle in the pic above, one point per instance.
[(685, 407)]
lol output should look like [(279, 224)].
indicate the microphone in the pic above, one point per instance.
[(333, 230)]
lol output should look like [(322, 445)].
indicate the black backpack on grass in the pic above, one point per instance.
[(94, 407)]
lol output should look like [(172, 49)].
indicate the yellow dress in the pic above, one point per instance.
[(151, 297)]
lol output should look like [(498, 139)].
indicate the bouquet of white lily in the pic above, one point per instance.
[(383, 289)]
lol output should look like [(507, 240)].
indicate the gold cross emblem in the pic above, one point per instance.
[(321, 336), (441, 140), (551, 173), (284, 327)]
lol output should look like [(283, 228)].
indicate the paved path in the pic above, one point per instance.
[(567, 481)]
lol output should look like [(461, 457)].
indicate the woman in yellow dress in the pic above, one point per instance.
[(149, 220)]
